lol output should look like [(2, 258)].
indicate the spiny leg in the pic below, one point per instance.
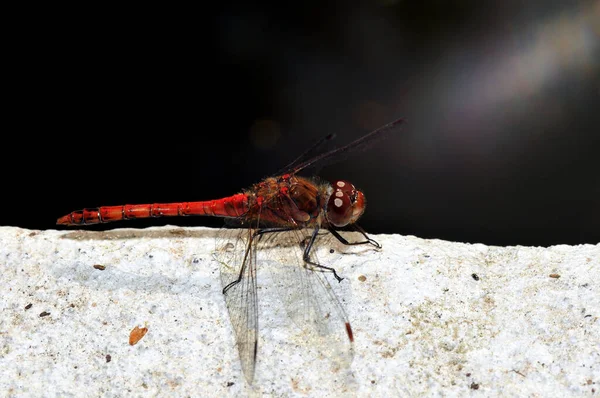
[(307, 260), (256, 233), (243, 267), (364, 242)]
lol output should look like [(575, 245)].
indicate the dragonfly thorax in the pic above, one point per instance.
[(345, 205)]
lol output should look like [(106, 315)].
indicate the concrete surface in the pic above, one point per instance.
[(429, 318)]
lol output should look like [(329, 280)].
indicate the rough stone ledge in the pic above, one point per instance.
[(429, 318)]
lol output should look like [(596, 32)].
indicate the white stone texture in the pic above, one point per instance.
[(423, 325)]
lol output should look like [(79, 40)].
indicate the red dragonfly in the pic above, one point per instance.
[(272, 215)]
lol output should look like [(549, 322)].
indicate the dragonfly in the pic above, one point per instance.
[(272, 216)]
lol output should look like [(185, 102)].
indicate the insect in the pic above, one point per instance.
[(273, 215)]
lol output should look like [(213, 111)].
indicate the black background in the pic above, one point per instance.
[(500, 144)]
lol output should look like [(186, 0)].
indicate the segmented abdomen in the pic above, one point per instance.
[(232, 206)]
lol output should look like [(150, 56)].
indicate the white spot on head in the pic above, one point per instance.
[(341, 184), (339, 194), (338, 202)]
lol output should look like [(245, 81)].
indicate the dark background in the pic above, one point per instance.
[(501, 102)]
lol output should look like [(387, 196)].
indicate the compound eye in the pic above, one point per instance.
[(339, 209), (346, 204)]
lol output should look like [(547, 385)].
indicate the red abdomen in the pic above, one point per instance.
[(232, 206)]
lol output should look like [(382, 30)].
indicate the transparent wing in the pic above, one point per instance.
[(236, 253), (339, 154), (309, 298)]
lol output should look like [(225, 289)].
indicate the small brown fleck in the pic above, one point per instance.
[(468, 374), (474, 386), (589, 382), (136, 335), (28, 306), (44, 314), (555, 276), (230, 383), (294, 384), (362, 278), (94, 304), (100, 267), (108, 358)]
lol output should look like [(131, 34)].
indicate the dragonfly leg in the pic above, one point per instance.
[(256, 233), (242, 268), (362, 242), (263, 231), (307, 260)]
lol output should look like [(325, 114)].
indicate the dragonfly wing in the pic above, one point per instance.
[(339, 154), (306, 292), (309, 298), (236, 254)]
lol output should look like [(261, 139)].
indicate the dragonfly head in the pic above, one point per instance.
[(345, 205)]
